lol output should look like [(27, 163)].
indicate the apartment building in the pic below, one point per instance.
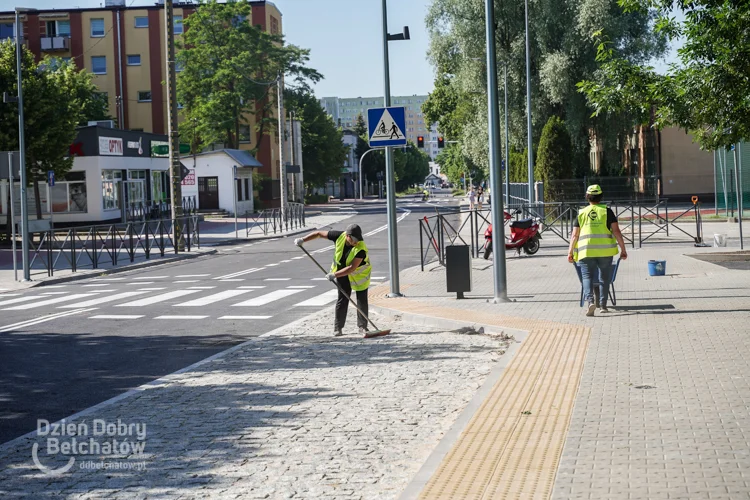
[(124, 48), (344, 112)]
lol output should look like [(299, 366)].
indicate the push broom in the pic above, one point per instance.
[(378, 332)]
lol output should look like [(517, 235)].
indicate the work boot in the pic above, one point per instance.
[(597, 293), (337, 332), (590, 310)]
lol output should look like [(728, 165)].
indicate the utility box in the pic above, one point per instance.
[(458, 269)]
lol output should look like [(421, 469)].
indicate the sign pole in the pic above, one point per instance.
[(738, 186), (12, 215), (22, 157), (389, 175), (174, 135), (529, 137), (498, 228)]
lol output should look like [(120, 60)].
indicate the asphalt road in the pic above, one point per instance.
[(64, 348)]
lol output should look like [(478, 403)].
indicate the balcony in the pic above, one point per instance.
[(55, 43)]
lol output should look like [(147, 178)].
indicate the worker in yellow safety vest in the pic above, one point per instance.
[(351, 269), (596, 235)]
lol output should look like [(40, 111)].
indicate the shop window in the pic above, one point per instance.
[(69, 195), (111, 186)]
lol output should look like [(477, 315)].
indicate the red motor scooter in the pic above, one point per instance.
[(524, 234)]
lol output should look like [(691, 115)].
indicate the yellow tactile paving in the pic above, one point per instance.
[(512, 445)]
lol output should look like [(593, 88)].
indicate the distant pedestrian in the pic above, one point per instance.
[(351, 270), (596, 235), (472, 198), (480, 198)]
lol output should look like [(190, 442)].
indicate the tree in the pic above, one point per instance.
[(455, 165), (560, 57), (56, 99), (410, 166), (323, 150), (554, 158), (706, 93), (230, 71)]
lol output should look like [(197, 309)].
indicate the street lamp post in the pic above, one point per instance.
[(507, 138), (389, 175), (22, 152), (498, 228), (528, 111)]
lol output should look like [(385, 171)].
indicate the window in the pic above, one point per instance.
[(248, 193), (274, 26), (238, 183), (7, 30), (97, 28), (99, 65), (111, 186), (178, 25), (179, 66), (141, 22), (69, 194), (134, 60), (58, 28), (136, 174), (144, 96), (244, 134)]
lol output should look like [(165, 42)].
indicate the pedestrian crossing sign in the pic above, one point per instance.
[(386, 126)]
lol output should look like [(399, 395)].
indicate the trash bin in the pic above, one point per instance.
[(458, 269)]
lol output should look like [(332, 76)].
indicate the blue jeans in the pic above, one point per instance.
[(591, 269)]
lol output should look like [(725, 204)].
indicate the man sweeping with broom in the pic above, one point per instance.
[(350, 271)]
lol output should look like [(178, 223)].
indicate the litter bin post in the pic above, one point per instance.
[(458, 269)]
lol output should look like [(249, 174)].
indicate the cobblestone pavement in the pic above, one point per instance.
[(662, 407), (296, 415)]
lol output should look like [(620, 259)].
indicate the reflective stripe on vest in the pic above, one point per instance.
[(360, 278), (595, 240)]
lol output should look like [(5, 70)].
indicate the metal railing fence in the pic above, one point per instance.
[(272, 220)]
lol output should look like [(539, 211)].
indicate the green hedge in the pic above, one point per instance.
[(316, 199)]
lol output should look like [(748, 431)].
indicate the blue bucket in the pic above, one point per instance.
[(657, 267)]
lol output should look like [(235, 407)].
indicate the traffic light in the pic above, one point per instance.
[(441, 142), (420, 141)]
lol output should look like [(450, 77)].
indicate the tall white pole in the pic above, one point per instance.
[(11, 186), (389, 175), (507, 137), (282, 167), (498, 228), (528, 111), (234, 185), (738, 185), (22, 157)]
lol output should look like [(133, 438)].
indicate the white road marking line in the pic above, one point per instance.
[(157, 298), (139, 283), (23, 324), (48, 302), (187, 281), (277, 279), (268, 298), (239, 273), (251, 287), (102, 300), (191, 275), (285, 261), (63, 286), (320, 300), (234, 279), (150, 277), (98, 284), (201, 287), (109, 279), (378, 278), (19, 299), (117, 316), (302, 286), (49, 293), (204, 301), (17, 294), (319, 279), (151, 289), (271, 265), (181, 317), (245, 317), (298, 258)]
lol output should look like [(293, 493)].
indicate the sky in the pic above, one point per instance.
[(345, 38)]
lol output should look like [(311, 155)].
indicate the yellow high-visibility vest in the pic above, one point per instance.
[(595, 239), (360, 278)]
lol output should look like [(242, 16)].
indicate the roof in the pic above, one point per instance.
[(242, 157)]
